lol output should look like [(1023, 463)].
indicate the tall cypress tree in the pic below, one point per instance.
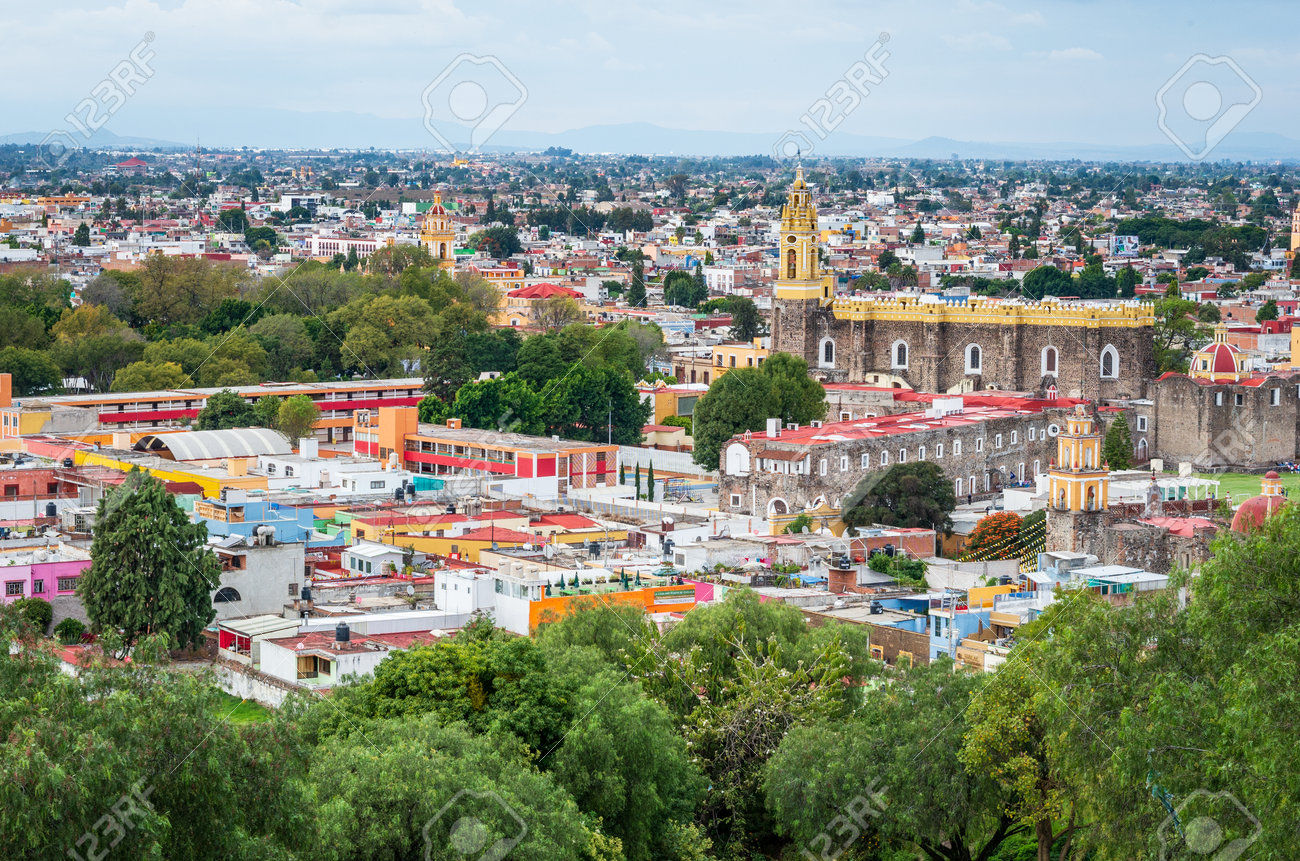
[(151, 571), (638, 481), (1117, 449), (650, 482)]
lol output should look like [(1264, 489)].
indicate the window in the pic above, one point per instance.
[(877, 653), (1109, 363), (1049, 361), (827, 353), (1033, 434), (866, 461), (293, 590), (270, 469), (733, 361), (938, 451), (67, 584), (902, 455), (974, 357), (288, 472), (1239, 400), (956, 448), (821, 466), (846, 417), (844, 463), (979, 444), (959, 487), (14, 588), (1274, 397), (1218, 398), (898, 356), (920, 453), (884, 458), (997, 441), (719, 360), (735, 499), (38, 587), (1142, 423), (225, 595), (377, 485)]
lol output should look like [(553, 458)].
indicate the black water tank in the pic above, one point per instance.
[(399, 494), (67, 461), (306, 593), (51, 510), (342, 633)]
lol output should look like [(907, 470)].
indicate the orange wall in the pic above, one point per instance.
[(552, 609)]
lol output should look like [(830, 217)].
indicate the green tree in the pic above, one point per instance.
[(907, 494), (650, 482), (498, 242), (1126, 281), (151, 571), (799, 524), (149, 377), (918, 235), (267, 410), (81, 236), (1117, 450), (745, 398), (904, 773), (1267, 311), (746, 320), (226, 409), (1046, 280), (539, 360), (297, 417), (636, 289), (34, 373), (1177, 330)]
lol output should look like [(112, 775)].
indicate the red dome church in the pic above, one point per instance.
[(1251, 513)]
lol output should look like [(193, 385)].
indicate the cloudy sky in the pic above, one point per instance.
[(972, 70)]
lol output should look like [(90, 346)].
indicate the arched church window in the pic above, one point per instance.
[(1049, 361), (789, 265)]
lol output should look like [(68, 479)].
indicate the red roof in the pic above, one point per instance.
[(543, 291), (1182, 526), (132, 162), (498, 534), (1224, 358), (1252, 512), (566, 521)]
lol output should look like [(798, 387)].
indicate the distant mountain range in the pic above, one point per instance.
[(281, 129)]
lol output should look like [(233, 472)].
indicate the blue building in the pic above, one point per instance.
[(237, 514)]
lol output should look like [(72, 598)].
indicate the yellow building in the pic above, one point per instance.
[(1295, 229), (438, 234), (739, 354), (1078, 478), (800, 275)]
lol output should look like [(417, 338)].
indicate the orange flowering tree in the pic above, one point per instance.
[(995, 537)]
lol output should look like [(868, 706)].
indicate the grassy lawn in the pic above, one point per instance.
[(245, 712), (1243, 486)]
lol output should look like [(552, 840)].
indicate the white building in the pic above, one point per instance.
[(258, 575)]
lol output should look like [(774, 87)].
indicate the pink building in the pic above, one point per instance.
[(50, 573)]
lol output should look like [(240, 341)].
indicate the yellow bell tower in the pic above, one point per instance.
[(800, 273), (1295, 228), (1078, 479), (438, 234)]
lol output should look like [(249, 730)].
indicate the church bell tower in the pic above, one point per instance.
[(801, 287)]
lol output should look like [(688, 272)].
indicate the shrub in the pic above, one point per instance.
[(37, 611), (70, 631)]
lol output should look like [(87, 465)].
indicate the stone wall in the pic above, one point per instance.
[(1011, 354), (1226, 426), (756, 490), (1116, 537)]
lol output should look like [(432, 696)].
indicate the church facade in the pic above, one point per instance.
[(1074, 349)]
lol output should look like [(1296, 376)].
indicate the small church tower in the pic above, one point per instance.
[(438, 234), (1077, 478)]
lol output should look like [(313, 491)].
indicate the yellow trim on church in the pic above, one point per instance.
[(1049, 312)]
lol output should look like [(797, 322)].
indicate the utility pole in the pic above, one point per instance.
[(609, 427)]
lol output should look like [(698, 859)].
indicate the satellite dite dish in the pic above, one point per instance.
[(410, 590), (549, 551)]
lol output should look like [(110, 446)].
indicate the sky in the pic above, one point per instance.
[(1044, 72)]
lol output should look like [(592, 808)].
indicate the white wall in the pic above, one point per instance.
[(263, 586)]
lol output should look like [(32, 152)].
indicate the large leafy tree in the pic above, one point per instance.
[(226, 409), (151, 571), (995, 537), (297, 416), (907, 494), (33, 372), (1045, 281), (746, 320), (896, 759), (745, 398), (141, 757)]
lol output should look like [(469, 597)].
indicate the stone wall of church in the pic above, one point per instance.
[(1120, 540), (1226, 426), (988, 463), (1011, 356)]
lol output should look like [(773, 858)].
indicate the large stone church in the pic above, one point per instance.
[(950, 345)]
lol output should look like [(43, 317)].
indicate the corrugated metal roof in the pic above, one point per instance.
[(216, 444)]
